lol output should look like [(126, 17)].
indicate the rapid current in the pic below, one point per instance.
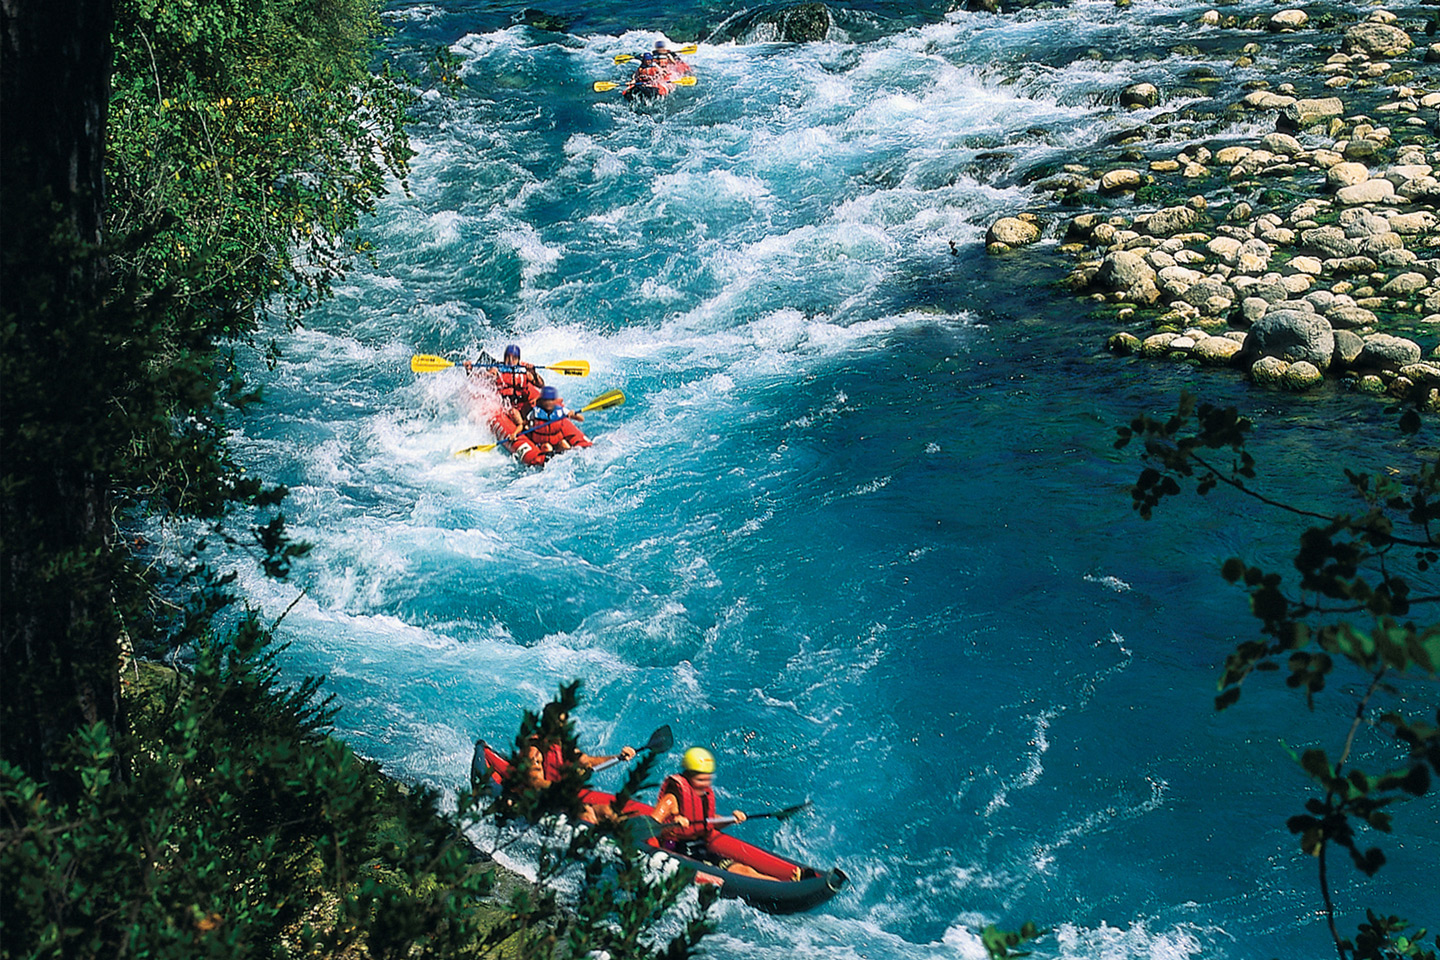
[(860, 527)]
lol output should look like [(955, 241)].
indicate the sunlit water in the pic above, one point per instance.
[(859, 527)]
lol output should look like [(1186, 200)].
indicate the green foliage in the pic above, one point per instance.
[(1349, 564), (247, 137), (1001, 943), (598, 889), (227, 822)]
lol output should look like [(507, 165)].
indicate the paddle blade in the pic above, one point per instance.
[(604, 86), (685, 81), (661, 740), (479, 448), (570, 368), (610, 398), (788, 812), (688, 49), (428, 363), (624, 57)]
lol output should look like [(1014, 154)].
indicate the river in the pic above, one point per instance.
[(859, 527)]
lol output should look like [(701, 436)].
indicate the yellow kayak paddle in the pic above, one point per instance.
[(610, 398), (604, 86), (684, 51), (429, 363)]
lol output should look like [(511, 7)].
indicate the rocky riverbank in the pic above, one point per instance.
[(1303, 255)]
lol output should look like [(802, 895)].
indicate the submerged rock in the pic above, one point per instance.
[(1291, 334)]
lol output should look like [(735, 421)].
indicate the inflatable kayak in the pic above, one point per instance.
[(788, 886), (485, 408), (639, 92)]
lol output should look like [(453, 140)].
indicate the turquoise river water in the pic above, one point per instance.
[(859, 528)]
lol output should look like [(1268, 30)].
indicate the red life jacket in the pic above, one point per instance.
[(553, 762), (513, 383), (553, 427), (693, 805)]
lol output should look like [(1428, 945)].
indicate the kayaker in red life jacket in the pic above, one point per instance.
[(547, 760), (669, 61), (686, 804), (649, 74), (518, 384), (548, 428)]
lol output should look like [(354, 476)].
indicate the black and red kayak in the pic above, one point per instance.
[(787, 887)]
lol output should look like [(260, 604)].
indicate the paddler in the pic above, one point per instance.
[(669, 61), (547, 762), (519, 385), (549, 429), (685, 807), (649, 75)]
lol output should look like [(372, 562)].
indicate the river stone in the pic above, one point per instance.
[(1268, 371), (1370, 384), (1432, 53), (1301, 375), (1349, 266), (1310, 265), (1347, 174), (1253, 308), (1139, 95), (1422, 372), (1287, 20), (1303, 113), (1405, 285), (1376, 39), (1396, 259), (1371, 191), (1265, 100), (1226, 248), (1254, 256), (1170, 221), (1361, 149), (1296, 284), (1283, 144), (1123, 269), (1410, 224), (1330, 240), (1388, 352), (1012, 231), (1292, 334), (1359, 223), (1348, 345), (1215, 351), (1231, 155), (1157, 344), (1121, 181), (1123, 343)]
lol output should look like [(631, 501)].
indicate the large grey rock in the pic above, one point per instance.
[(799, 23), (1347, 174), (1123, 269), (1012, 231), (1287, 20), (1303, 113), (1350, 317), (1215, 351), (1357, 223), (1330, 241), (1377, 39), (1291, 334), (1420, 221), (1371, 191), (1388, 352), (1405, 285), (1170, 221), (1121, 181), (1348, 345), (1139, 95), (1282, 143)]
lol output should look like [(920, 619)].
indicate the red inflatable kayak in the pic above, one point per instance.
[(788, 886), (485, 408)]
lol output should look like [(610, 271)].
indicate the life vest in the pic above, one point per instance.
[(694, 806), (513, 382), (555, 426)]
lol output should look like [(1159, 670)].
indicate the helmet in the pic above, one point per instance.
[(647, 58), (661, 45), (549, 393), (512, 350), (698, 760)]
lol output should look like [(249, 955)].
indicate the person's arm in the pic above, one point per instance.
[(625, 754), (667, 810), (534, 374)]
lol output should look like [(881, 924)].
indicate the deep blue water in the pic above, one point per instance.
[(859, 527)]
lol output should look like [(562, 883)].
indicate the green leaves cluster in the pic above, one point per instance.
[(1363, 564), (227, 823), (598, 890)]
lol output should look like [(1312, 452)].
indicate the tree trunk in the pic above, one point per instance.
[(59, 635)]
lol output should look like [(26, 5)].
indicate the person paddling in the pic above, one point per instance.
[(547, 760), (669, 61), (519, 385), (649, 76), (550, 428), (685, 807)]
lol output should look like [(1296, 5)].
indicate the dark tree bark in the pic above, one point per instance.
[(59, 635)]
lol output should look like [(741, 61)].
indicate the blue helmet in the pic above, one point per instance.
[(549, 393), (647, 58), (512, 350)]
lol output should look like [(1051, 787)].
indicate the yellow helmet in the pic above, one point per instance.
[(698, 760)]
